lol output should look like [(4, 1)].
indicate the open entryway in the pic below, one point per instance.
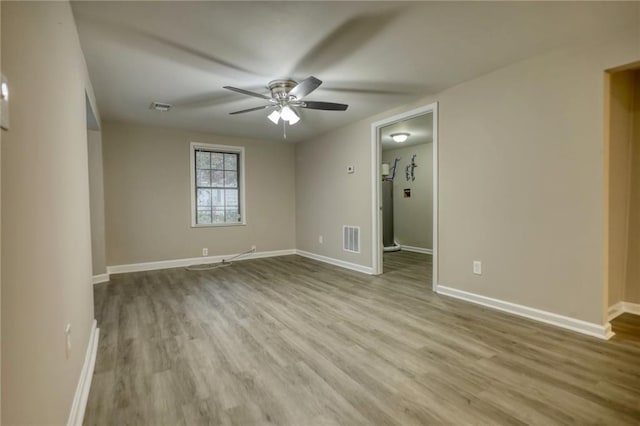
[(622, 166), (404, 181)]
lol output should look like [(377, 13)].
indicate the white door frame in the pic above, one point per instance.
[(376, 185)]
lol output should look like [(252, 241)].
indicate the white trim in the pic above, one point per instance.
[(102, 278), (632, 308), (623, 308), (615, 311), (416, 249), (376, 217), (436, 197), (336, 262), (376, 196), (596, 330), (79, 405), (241, 176), (177, 263)]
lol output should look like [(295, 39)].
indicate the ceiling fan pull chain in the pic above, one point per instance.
[(284, 129)]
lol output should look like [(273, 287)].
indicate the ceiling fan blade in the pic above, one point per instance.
[(210, 99), (251, 109), (343, 41), (152, 44), (305, 87), (246, 92), (368, 91), (326, 106)]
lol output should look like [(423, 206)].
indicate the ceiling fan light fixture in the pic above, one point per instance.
[(285, 98), (274, 116), (293, 119), (287, 114), (400, 137)]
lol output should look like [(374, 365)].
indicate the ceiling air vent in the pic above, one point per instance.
[(159, 106), (351, 238)]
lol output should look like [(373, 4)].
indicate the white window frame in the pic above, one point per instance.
[(241, 186)]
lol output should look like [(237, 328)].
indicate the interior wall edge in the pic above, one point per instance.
[(81, 396)]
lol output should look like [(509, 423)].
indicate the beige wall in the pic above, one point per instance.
[(46, 256), (328, 198), (147, 196), (520, 180), (632, 290), (96, 196), (413, 217), (620, 136)]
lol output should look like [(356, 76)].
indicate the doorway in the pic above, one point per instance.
[(405, 195), (622, 165)]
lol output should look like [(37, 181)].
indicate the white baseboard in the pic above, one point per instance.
[(632, 308), (416, 249), (79, 405), (336, 262), (102, 278), (178, 263), (622, 308), (596, 330)]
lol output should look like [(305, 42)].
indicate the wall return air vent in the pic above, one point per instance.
[(351, 238)]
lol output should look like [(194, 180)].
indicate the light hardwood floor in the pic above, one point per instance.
[(292, 341)]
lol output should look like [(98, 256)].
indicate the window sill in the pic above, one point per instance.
[(217, 225)]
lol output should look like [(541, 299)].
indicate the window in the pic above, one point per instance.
[(217, 185)]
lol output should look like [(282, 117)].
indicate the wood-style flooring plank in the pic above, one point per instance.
[(292, 341)]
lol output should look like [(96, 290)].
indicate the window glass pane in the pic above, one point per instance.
[(231, 179), (231, 197), (217, 187), (217, 160), (204, 197), (232, 215), (202, 160), (231, 161), (217, 197), (204, 215), (218, 215), (217, 179), (204, 178)]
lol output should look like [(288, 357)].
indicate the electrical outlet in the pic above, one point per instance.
[(67, 332), (205, 251), (477, 267), (320, 239)]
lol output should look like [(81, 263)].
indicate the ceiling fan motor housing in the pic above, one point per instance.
[(280, 88)]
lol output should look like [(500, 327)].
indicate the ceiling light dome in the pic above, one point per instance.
[(400, 137)]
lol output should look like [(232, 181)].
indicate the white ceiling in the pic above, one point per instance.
[(420, 131), (373, 56)]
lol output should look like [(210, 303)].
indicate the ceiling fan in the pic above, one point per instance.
[(286, 96)]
